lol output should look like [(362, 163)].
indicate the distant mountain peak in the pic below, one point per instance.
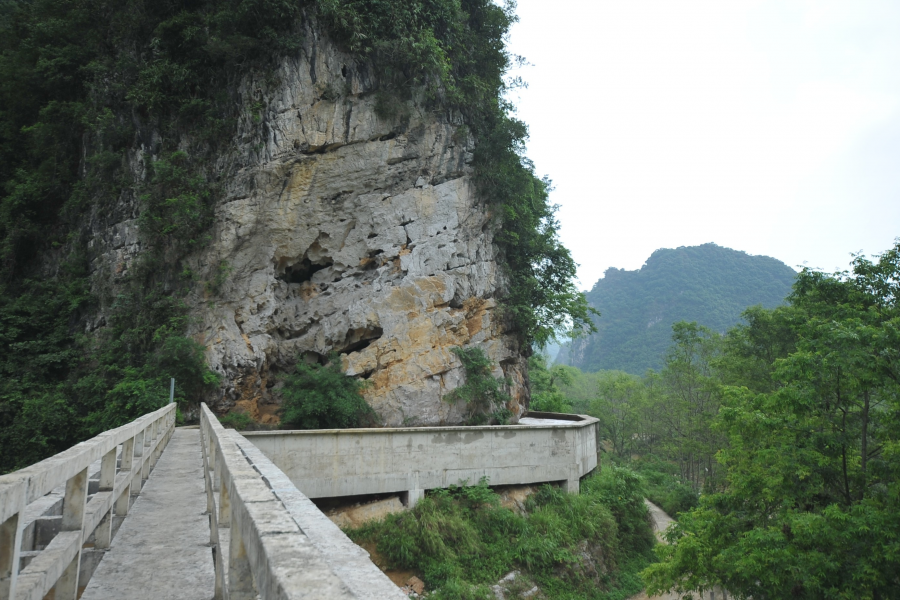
[(710, 284)]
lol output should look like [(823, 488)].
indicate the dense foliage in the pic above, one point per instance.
[(666, 418), (322, 397), (707, 284), (812, 460), (460, 540), (545, 383), (84, 84)]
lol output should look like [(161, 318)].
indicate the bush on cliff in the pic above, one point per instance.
[(482, 393), (321, 397)]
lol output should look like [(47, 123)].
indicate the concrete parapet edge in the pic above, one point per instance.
[(279, 545), (408, 460), (350, 562)]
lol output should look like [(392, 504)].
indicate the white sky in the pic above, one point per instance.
[(771, 127)]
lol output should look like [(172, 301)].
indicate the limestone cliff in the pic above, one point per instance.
[(342, 230)]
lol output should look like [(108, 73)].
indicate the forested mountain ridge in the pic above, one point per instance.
[(708, 284)]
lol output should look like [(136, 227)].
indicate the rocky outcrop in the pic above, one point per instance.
[(342, 230)]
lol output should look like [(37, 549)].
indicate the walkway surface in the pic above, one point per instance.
[(661, 522), (162, 550)]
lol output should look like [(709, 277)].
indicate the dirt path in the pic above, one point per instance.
[(660, 522)]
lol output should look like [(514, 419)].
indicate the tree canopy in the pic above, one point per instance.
[(811, 494)]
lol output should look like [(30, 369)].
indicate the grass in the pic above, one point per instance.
[(460, 541)]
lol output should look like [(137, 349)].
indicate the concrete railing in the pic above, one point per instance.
[(52, 510), (410, 460), (269, 540)]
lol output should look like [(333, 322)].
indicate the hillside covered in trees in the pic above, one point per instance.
[(707, 284), (776, 445)]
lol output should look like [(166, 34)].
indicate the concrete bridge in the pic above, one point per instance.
[(152, 511)]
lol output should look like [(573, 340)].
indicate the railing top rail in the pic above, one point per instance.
[(26, 485), (283, 562), (582, 421)]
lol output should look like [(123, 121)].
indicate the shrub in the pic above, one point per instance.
[(460, 540), (664, 487), (322, 397), (237, 420)]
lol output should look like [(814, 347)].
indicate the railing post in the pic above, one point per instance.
[(72, 520), (10, 546), (154, 436), (123, 502), (224, 502), (103, 532), (207, 480), (145, 463), (138, 480), (240, 579), (211, 450)]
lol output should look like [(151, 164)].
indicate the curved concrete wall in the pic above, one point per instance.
[(545, 447)]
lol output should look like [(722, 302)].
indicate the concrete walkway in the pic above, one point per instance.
[(162, 551), (661, 522)]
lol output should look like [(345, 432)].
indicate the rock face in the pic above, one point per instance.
[(344, 231)]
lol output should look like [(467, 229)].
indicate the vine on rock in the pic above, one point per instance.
[(482, 393)]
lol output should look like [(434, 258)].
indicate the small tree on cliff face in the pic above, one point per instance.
[(322, 397), (482, 393)]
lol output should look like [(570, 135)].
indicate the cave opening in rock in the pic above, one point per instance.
[(302, 271), (360, 339)]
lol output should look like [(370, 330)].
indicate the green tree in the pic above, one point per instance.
[(813, 460), (545, 381), (690, 402), (751, 348), (619, 400)]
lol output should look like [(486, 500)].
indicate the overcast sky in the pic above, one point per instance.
[(771, 127)]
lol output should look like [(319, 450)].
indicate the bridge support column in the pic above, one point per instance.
[(572, 485), (414, 492), (413, 497)]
